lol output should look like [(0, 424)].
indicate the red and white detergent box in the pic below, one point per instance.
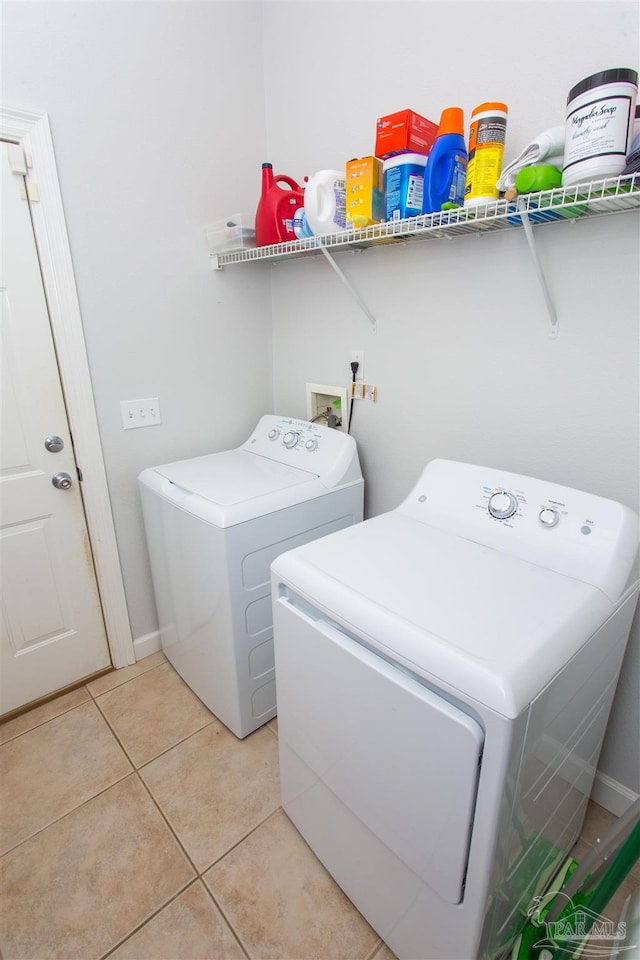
[(404, 132)]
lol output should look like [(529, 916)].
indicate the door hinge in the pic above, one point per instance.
[(17, 159), (29, 191), (19, 164)]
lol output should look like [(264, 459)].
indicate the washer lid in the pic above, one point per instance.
[(491, 625), (233, 476), (232, 487)]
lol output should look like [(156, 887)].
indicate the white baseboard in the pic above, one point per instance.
[(612, 795), (146, 645)]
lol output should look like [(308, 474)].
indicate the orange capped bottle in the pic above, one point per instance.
[(446, 170)]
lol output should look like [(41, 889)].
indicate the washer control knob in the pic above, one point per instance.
[(273, 434), (311, 445), (548, 517), (502, 505), (290, 439)]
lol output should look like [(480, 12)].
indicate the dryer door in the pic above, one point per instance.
[(359, 734)]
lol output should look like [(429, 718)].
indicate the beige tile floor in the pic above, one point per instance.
[(134, 825)]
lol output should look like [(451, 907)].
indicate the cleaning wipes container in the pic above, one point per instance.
[(404, 185), (487, 134)]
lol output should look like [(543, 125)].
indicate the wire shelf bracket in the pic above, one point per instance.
[(528, 232), (569, 204), (354, 293)]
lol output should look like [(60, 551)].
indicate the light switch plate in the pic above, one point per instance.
[(140, 413)]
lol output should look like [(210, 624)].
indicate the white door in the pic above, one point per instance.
[(51, 631)]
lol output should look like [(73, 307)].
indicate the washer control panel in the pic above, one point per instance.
[(570, 531), (294, 434), (329, 454), (517, 502)]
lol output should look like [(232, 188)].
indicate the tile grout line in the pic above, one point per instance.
[(135, 769), (225, 918), (219, 906), (219, 860), (135, 676), (42, 723), (164, 817), (136, 766), (192, 883), (90, 697), (242, 839), (199, 874), (68, 813), (377, 947), (82, 803)]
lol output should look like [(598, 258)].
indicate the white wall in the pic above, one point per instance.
[(462, 358), (158, 124)]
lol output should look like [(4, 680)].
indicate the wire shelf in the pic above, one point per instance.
[(586, 200)]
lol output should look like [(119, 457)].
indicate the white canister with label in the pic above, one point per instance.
[(600, 114)]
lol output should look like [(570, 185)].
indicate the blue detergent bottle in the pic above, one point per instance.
[(446, 170)]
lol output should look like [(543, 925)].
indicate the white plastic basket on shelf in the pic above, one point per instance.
[(236, 232)]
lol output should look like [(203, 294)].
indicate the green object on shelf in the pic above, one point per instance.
[(542, 176)]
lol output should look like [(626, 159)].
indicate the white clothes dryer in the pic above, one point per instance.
[(213, 525), (445, 673)]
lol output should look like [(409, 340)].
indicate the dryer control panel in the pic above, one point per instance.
[(572, 532), (331, 455)]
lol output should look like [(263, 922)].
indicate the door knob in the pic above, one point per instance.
[(54, 444), (62, 481)]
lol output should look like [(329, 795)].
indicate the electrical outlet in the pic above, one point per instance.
[(358, 355), (140, 413)]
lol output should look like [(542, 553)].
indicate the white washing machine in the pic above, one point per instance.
[(445, 673), (213, 525)]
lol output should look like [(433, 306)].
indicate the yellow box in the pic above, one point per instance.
[(365, 191)]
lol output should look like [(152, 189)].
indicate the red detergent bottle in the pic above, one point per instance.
[(446, 169), (276, 207)]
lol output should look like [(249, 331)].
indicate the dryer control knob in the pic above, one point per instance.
[(290, 439), (548, 517), (273, 434), (502, 505), (311, 445)]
